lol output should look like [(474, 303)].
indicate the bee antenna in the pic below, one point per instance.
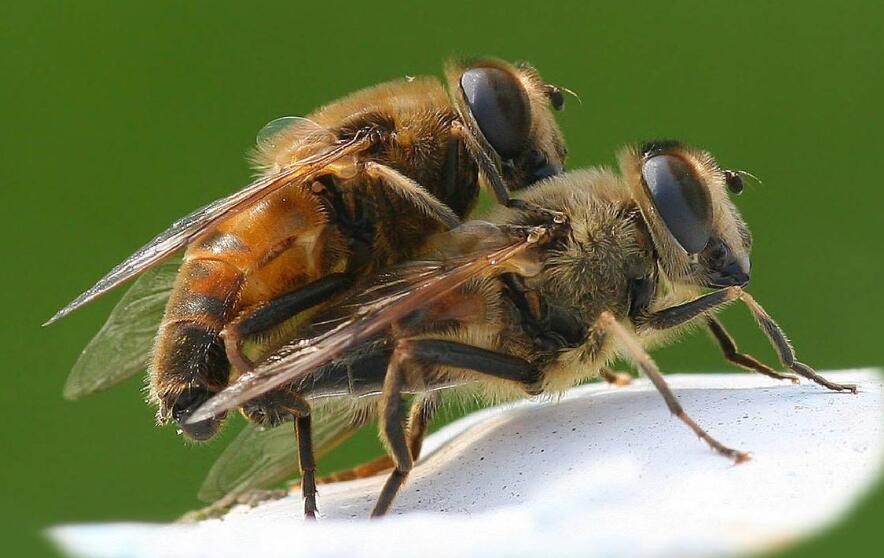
[(572, 93), (750, 175)]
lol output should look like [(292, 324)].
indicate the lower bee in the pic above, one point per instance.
[(513, 307), (356, 186)]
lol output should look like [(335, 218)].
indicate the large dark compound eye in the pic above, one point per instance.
[(500, 106), (680, 199)]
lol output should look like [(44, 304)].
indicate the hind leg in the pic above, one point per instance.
[(274, 312), (422, 411)]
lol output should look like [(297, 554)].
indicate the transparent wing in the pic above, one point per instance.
[(186, 229), (259, 458), (122, 346), (428, 283)]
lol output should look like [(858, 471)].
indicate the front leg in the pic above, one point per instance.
[(683, 313), (490, 170), (732, 354), (787, 354), (412, 193)]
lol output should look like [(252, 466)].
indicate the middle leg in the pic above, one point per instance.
[(630, 343)]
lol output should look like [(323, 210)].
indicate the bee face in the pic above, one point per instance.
[(698, 232), (509, 107)]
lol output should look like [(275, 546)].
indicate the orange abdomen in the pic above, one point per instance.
[(274, 247)]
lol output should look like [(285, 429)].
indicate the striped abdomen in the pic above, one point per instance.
[(281, 243)]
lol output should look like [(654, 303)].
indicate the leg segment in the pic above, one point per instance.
[(618, 379), (431, 352), (413, 193), (732, 354), (393, 429), (307, 464), (631, 345), (270, 409), (421, 414), (363, 470), (451, 353), (490, 170), (683, 313), (784, 348), (276, 311)]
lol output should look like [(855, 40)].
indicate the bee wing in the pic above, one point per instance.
[(191, 226), (122, 346), (434, 279), (259, 458)]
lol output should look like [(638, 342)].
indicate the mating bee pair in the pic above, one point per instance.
[(344, 279)]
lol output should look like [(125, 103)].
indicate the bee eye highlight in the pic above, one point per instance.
[(734, 182), (500, 106), (681, 200)]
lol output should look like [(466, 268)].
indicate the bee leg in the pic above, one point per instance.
[(413, 193), (392, 427), (432, 352), (421, 414), (307, 464), (784, 348), (632, 346), (732, 354), (363, 470), (491, 171), (678, 315), (271, 409), (618, 379), (683, 313), (454, 164), (268, 315)]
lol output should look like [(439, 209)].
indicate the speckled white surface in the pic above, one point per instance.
[(604, 472)]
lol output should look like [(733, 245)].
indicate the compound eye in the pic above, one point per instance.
[(682, 202), (500, 106)]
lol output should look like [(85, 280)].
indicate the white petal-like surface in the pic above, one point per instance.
[(603, 472)]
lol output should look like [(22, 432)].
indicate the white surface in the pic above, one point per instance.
[(604, 472)]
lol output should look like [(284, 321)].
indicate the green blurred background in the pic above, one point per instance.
[(118, 118)]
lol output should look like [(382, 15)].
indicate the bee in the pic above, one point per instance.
[(354, 187), (515, 307)]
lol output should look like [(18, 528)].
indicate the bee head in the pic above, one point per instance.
[(507, 108), (699, 235)]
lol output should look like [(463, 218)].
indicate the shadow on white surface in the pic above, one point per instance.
[(603, 472)]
